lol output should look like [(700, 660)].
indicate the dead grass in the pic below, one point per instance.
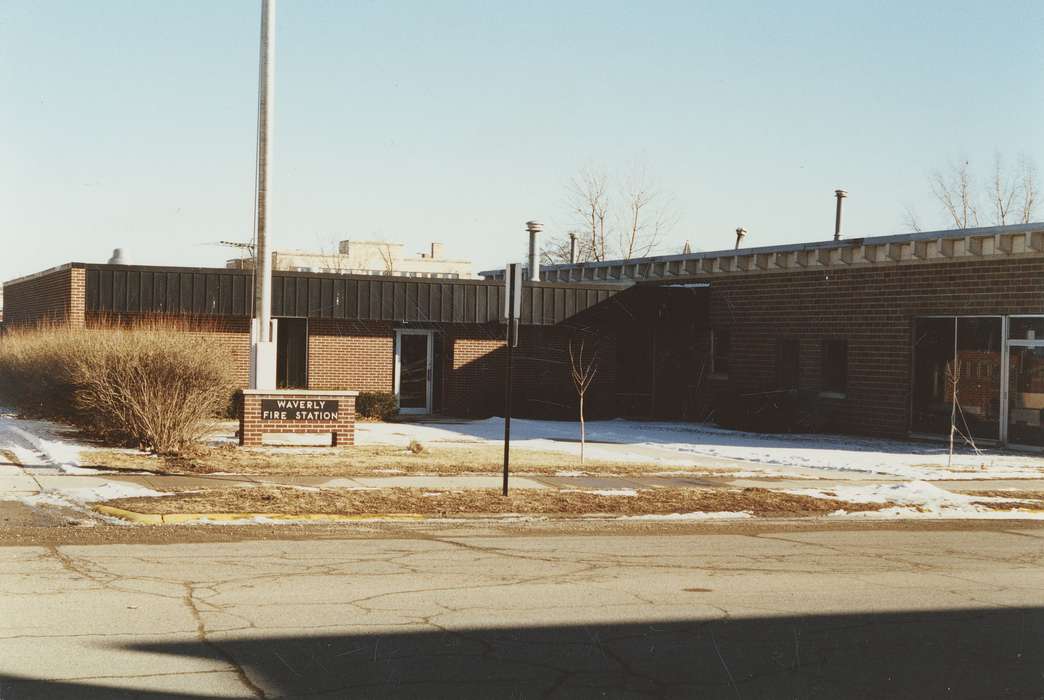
[(1025, 500), (759, 502), (364, 460)]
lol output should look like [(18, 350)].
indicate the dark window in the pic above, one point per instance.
[(721, 348), (788, 363), (949, 354), (835, 366), (292, 353)]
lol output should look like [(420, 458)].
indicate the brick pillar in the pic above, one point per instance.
[(77, 309)]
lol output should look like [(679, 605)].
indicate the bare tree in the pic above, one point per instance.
[(955, 191), (384, 251), (589, 202), (1008, 196), (647, 217), (582, 373), (629, 225), (1026, 172), (911, 220)]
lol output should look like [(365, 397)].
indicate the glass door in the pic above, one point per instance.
[(413, 363), (1026, 381)]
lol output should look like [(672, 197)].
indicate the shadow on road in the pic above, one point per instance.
[(971, 653)]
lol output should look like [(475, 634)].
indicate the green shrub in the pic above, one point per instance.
[(157, 385), (376, 405)]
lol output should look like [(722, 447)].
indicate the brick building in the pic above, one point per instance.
[(436, 343), (869, 326), (872, 328)]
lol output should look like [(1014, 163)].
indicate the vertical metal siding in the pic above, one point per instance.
[(131, 289)]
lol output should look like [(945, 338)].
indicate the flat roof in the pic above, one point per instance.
[(944, 234)]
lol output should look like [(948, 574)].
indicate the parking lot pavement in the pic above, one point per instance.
[(901, 613)]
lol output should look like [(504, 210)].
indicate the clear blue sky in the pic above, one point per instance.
[(132, 122)]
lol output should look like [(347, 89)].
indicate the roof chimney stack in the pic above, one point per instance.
[(534, 228), (572, 248), (840, 194)]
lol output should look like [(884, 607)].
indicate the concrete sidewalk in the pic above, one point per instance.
[(166, 483)]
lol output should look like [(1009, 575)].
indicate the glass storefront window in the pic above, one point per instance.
[(1026, 328), (1026, 396), (971, 364)]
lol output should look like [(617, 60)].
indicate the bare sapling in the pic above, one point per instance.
[(583, 372)]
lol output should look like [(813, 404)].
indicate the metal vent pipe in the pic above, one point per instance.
[(840, 194), (534, 228), (572, 248), (740, 233)]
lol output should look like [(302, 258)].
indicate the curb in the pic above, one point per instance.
[(176, 518)]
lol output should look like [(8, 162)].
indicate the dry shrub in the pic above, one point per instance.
[(376, 405), (158, 384), (36, 371)]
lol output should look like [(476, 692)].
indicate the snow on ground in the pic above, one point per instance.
[(106, 491), (917, 499), (38, 443), (688, 444), (722, 515)]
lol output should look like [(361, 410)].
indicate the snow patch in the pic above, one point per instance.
[(691, 444), (916, 499), (716, 515)]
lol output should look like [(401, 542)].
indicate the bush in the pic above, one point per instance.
[(784, 411), (157, 385), (376, 405)]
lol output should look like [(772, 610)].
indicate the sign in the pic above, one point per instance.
[(299, 409), (513, 281)]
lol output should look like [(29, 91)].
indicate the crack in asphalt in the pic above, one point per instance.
[(201, 636), (598, 570)]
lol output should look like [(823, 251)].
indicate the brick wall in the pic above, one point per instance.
[(53, 296), (873, 308), (351, 355), (540, 373), (474, 371)]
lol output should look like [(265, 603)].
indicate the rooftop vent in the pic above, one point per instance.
[(120, 257)]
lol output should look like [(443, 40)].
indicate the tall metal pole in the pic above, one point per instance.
[(263, 266), (512, 330)]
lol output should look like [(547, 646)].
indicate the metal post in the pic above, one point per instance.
[(572, 248), (263, 297), (511, 333), (840, 194)]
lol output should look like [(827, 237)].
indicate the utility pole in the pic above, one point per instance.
[(263, 356)]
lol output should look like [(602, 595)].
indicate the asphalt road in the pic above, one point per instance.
[(487, 613)]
